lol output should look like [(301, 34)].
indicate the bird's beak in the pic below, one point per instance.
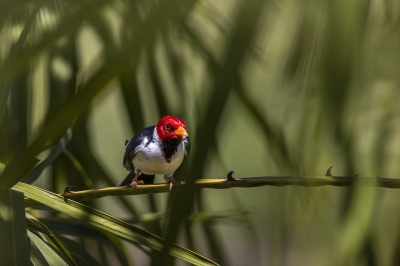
[(181, 132)]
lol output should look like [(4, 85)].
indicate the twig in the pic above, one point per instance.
[(306, 181), (230, 182)]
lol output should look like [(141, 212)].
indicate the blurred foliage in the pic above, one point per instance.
[(266, 88)]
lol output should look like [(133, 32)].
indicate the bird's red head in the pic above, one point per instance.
[(171, 127)]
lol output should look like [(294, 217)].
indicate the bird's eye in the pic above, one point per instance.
[(168, 127)]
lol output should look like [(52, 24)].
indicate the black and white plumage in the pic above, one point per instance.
[(158, 149)]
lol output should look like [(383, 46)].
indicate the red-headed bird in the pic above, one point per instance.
[(158, 149)]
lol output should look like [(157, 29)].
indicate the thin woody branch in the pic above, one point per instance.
[(230, 182)]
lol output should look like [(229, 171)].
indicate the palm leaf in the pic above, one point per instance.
[(73, 227), (34, 174), (78, 252), (243, 32), (76, 107), (44, 250), (37, 225), (108, 223), (14, 245)]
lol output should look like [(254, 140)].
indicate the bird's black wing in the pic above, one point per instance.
[(186, 142), (133, 143)]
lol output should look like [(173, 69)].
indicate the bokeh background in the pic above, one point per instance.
[(265, 87)]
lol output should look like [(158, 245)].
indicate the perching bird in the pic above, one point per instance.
[(158, 149)]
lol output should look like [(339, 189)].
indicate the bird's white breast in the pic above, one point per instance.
[(150, 160)]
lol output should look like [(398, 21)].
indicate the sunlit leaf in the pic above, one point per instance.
[(51, 255), (37, 258), (19, 61), (108, 223), (78, 105), (73, 227), (36, 225)]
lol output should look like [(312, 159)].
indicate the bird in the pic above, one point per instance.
[(158, 149)]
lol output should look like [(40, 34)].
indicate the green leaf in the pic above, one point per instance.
[(51, 255), (14, 245), (109, 223), (73, 227), (244, 31), (69, 23), (5, 90), (96, 169), (36, 225), (34, 174), (5, 87), (78, 252), (79, 168), (80, 104), (37, 257)]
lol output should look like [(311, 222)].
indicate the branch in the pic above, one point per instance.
[(230, 182)]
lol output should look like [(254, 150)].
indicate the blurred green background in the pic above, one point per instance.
[(265, 87)]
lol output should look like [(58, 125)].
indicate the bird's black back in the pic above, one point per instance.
[(130, 150)]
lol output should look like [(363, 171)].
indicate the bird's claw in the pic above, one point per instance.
[(135, 180), (134, 184), (171, 181)]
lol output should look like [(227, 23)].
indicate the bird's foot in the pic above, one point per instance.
[(171, 181), (135, 181)]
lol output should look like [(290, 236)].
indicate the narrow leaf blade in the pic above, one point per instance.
[(14, 245), (109, 223), (48, 252)]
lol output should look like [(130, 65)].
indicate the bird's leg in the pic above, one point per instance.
[(170, 180), (135, 181)]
